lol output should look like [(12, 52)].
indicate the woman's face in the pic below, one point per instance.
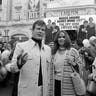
[(61, 39)]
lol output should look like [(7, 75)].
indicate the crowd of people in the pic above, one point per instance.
[(42, 65), (87, 29)]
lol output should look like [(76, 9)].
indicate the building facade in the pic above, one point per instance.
[(69, 14), (70, 7), (17, 16)]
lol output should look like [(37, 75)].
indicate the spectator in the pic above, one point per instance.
[(93, 75), (14, 76), (55, 30), (83, 31), (48, 33), (88, 54), (1, 47), (91, 29)]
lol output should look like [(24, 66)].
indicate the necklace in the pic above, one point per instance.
[(61, 50)]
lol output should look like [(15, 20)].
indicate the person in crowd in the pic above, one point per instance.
[(1, 47), (5, 56), (92, 50), (91, 29), (79, 44), (86, 59), (88, 54), (63, 56), (34, 63), (48, 33), (92, 76), (14, 78), (83, 31), (55, 29), (5, 59)]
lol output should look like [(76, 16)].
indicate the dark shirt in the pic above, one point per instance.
[(91, 31), (40, 77), (82, 35), (54, 33), (40, 80), (48, 35)]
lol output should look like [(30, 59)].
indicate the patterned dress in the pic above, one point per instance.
[(64, 71), (67, 87)]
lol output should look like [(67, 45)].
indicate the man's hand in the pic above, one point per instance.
[(21, 60)]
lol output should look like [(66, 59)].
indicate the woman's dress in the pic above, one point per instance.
[(67, 87)]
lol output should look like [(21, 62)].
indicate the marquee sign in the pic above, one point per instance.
[(70, 22)]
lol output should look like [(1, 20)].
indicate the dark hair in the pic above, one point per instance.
[(38, 22), (53, 23), (85, 21), (67, 43), (90, 18), (49, 20), (79, 43)]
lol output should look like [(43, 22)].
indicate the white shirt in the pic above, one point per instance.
[(58, 65)]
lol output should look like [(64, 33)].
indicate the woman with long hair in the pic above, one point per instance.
[(64, 56)]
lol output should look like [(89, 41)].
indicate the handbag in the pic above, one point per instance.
[(91, 87), (78, 82)]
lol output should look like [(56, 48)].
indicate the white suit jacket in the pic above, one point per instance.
[(28, 80)]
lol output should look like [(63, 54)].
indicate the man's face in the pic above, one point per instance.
[(53, 25), (39, 32), (85, 24)]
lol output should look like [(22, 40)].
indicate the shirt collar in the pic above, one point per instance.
[(35, 44)]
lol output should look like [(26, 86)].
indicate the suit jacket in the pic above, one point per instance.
[(28, 80)]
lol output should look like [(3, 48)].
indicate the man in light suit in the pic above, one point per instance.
[(34, 69)]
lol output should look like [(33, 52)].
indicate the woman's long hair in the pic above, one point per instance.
[(67, 43)]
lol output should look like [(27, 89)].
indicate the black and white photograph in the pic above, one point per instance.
[(47, 47)]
